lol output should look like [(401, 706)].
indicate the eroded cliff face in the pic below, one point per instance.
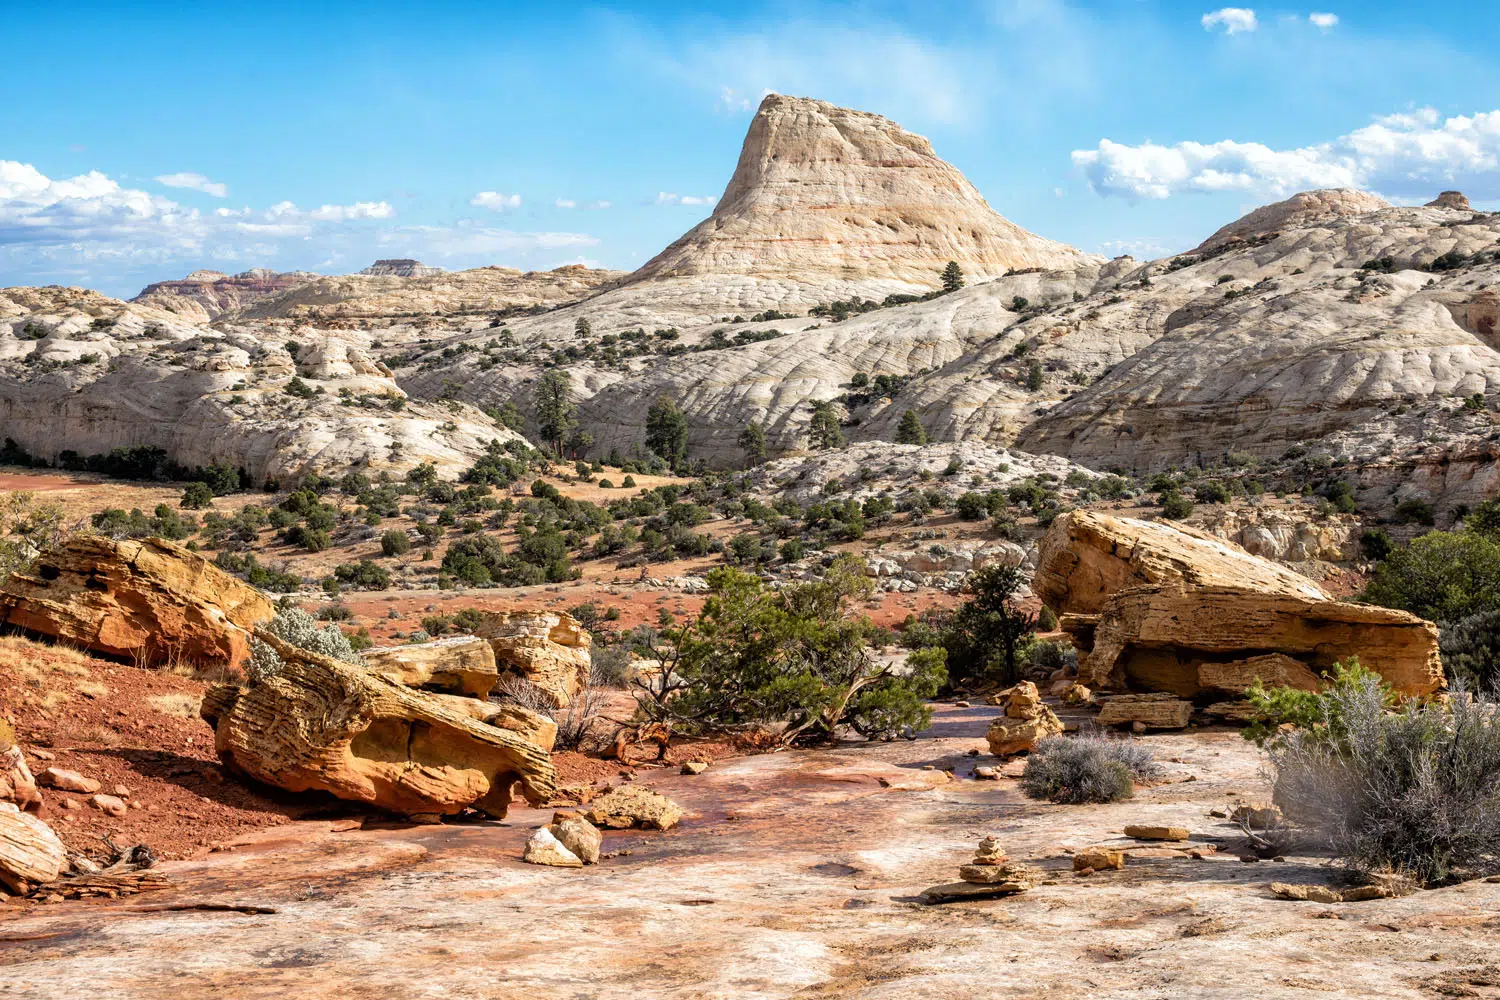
[(83, 373), (204, 296), (824, 196)]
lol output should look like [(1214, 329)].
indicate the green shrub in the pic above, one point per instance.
[(1088, 768), (395, 543), (1175, 506), (197, 496), (1442, 575), (797, 658)]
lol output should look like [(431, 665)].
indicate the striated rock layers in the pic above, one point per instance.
[(204, 296), (82, 374), (1153, 607), (1301, 209), (320, 724), (547, 648), (824, 196), (149, 600)]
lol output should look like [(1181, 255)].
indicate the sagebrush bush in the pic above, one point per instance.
[(1088, 768), (301, 629), (1411, 790)]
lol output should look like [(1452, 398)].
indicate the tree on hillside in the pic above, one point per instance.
[(982, 636), (953, 277), (666, 431), (555, 414), (909, 430), (753, 443), (824, 431), (582, 328)]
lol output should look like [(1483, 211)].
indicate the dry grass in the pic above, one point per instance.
[(56, 674), (183, 706)]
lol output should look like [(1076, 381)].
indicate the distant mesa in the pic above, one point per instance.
[(401, 267), (1301, 209), (1451, 199)]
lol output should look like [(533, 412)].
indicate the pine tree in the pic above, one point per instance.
[(1034, 375), (666, 430), (953, 277), (582, 328), (555, 415), (909, 430), (824, 431), (753, 443)]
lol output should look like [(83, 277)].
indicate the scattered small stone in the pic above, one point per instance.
[(1218, 813), (1138, 727), (1307, 893), (986, 773), (542, 848), (695, 767), (67, 781), (120, 791), (1098, 859), (623, 807), (578, 835), (346, 825), (1256, 815), (1083, 872), (1141, 832), (108, 804)]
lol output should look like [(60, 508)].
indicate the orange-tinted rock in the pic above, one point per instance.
[(148, 600), (548, 648), (320, 724)]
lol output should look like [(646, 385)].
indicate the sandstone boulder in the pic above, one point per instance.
[(320, 724), (548, 648), (630, 805), (578, 835), (543, 848), (1146, 832), (65, 780), (1270, 669), (1147, 711), (30, 853), (462, 665), (1098, 859), (17, 784), (1161, 607), (149, 600), (1086, 557), (1158, 638)]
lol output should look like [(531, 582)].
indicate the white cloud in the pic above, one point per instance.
[(194, 182), (495, 201), (666, 198), (566, 203), (1232, 19), (358, 210), (1141, 248), (592, 206), (1401, 155), (1323, 22)]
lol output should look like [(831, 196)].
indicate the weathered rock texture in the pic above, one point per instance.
[(1302, 209), (1086, 557), (204, 296), (1168, 609), (320, 724), (1026, 721), (84, 374), (149, 599), (30, 853), (825, 196), (463, 665), (17, 784), (548, 648)]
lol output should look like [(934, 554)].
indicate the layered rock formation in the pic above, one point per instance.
[(1167, 609), (547, 648), (825, 198), (320, 724), (150, 601), (401, 267), (1303, 209), (85, 374), (204, 296)]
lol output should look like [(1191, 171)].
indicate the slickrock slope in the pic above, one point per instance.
[(825, 197), (83, 373), (204, 296), (384, 295), (1300, 210)]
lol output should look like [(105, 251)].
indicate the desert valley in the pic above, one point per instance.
[(864, 597)]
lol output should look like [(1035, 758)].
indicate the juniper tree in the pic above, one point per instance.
[(909, 430), (953, 277)]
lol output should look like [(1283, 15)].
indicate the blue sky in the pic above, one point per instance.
[(140, 141)]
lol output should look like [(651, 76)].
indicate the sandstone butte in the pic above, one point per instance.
[(320, 724), (1151, 605), (148, 600)]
